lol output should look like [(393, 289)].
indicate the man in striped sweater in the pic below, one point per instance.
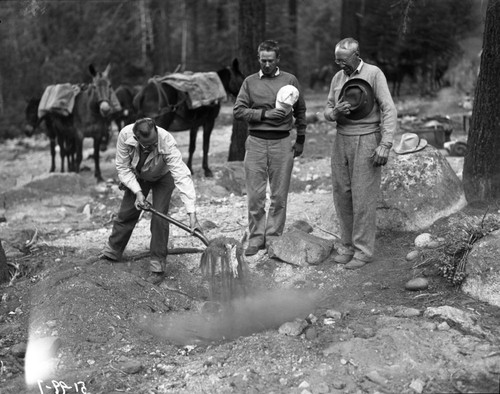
[(269, 146)]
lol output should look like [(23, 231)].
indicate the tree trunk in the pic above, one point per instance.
[(350, 21), (159, 12), (292, 18), (4, 268), (251, 32), (481, 175)]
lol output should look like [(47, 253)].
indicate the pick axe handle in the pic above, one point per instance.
[(197, 233)]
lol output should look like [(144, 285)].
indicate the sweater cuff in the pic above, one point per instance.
[(263, 115), (300, 139)]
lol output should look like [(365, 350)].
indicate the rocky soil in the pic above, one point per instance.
[(315, 329)]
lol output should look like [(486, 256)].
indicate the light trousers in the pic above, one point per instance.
[(356, 185), (267, 161)]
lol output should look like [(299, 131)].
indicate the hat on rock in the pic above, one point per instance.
[(359, 94), (410, 142), (287, 96)]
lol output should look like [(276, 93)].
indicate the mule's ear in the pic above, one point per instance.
[(106, 71), (92, 70), (236, 64)]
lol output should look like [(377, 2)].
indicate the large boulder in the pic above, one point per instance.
[(483, 270), (300, 248), (417, 189)]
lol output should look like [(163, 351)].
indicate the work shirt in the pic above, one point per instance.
[(382, 118), (257, 94), (164, 158)]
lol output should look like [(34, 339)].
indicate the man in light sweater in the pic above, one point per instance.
[(360, 148), (269, 146), (147, 159)]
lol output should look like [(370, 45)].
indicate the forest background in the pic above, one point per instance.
[(44, 42)]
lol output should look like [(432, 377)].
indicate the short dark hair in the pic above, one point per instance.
[(269, 46), (150, 123)]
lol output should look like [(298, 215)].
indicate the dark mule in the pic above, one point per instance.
[(169, 108), (92, 116), (125, 94), (59, 130)]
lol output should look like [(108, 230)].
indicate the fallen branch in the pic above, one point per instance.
[(329, 232)]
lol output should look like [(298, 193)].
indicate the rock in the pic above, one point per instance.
[(299, 248), (360, 331), (417, 189), (333, 314), (417, 284), (128, 365), (413, 255), (311, 333), (443, 326), (321, 388), (417, 385), (304, 385), (302, 225), (433, 245), (407, 312), (338, 385), (483, 270), (294, 328), (208, 225), (422, 240), (462, 319), (375, 377)]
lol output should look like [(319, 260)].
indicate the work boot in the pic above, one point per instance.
[(343, 258), (157, 274), (355, 264), (155, 278), (110, 254)]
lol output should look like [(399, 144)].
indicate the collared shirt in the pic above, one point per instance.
[(164, 158), (276, 73), (382, 118)]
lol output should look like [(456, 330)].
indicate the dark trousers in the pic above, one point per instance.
[(128, 215)]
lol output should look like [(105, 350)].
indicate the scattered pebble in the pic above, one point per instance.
[(304, 385), (407, 312), (443, 326), (413, 255), (417, 284), (417, 385), (332, 313), (339, 385), (311, 333), (375, 377), (433, 245), (422, 240)]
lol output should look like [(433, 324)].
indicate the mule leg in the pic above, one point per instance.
[(53, 154), (192, 146), (208, 126), (97, 146), (62, 150), (78, 152)]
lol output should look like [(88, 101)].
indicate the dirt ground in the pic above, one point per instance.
[(107, 330)]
